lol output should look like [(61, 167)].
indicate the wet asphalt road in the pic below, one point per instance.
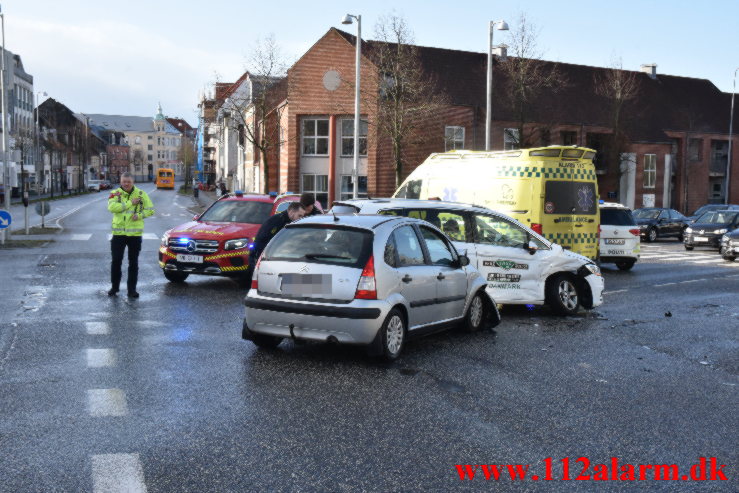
[(166, 384)]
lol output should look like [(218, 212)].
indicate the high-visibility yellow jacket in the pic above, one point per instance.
[(120, 204)]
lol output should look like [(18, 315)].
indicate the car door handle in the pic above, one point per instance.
[(407, 279), (441, 276)]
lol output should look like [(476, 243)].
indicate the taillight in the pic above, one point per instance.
[(635, 231), (254, 281), (366, 288), (537, 228)]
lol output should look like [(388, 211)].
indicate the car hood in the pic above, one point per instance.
[(576, 257), (709, 226), (215, 230)]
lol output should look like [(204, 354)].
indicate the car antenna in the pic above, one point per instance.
[(336, 219)]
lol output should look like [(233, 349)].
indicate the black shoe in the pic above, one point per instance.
[(133, 294), (112, 292)]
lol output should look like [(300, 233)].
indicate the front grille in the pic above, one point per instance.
[(199, 246)]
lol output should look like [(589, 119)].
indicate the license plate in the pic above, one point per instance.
[(700, 239), (305, 284), (190, 259), (610, 241)]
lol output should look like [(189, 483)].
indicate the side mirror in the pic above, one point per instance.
[(531, 247), (196, 217), (464, 260)]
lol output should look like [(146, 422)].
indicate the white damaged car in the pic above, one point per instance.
[(521, 267)]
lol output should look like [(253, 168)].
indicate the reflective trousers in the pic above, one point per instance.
[(117, 247)]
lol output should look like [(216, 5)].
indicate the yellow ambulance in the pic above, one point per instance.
[(553, 190)]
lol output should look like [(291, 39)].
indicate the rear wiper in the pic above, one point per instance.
[(324, 255)]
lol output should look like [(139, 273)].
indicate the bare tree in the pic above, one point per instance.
[(187, 155), (618, 86), (409, 96), (527, 76)]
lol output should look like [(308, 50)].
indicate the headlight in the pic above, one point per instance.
[(688, 229), (594, 269), (237, 244), (721, 231), (165, 240)]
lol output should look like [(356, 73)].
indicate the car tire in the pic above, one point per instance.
[(688, 248), (625, 264), (266, 342), (563, 294), (681, 236), (728, 258), (393, 334), (476, 314), (176, 277), (652, 235)]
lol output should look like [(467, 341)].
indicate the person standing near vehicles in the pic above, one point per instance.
[(267, 231), (129, 206), (308, 200)]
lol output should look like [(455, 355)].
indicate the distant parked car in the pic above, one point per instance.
[(95, 185), (712, 207), (730, 245), (709, 228), (658, 222), (105, 185)]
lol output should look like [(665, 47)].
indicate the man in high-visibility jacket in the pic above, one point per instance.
[(129, 205)]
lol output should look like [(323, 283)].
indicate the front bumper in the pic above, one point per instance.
[(356, 322), (215, 264), (597, 285), (695, 240)]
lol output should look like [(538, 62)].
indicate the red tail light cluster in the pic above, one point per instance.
[(254, 280), (367, 288), (635, 231)]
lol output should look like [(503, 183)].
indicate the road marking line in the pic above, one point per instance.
[(692, 280), (150, 236), (81, 237), (616, 291), (711, 261), (731, 264), (101, 358), (665, 284), (106, 402), (97, 328), (117, 473)]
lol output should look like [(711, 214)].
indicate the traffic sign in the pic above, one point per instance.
[(43, 208), (5, 219)]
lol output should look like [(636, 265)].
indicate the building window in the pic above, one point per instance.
[(317, 185), (347, 190), (545, 137), (453, 138), (151, 147), (347, 137), (569, 138), (315, 137), (650, 170), (695, 149), (511, 139), (150, 137), (150, 157)]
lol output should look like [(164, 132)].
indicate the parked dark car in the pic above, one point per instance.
[(708, 229), (712, 207), (658, 222), (729, 246)]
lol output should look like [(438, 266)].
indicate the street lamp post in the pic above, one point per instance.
[(731, 129), (501, 26), (355, 168), (6, 167), (37, 138)]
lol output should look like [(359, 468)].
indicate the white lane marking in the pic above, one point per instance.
[(101, 358), (150, 236), (665, 284), (81, 237), (616, 291), (692, 280), (97, 328), (117, 473), (711, 261), (106, 402), (731, 264)]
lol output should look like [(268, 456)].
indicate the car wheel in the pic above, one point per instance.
[(265, 341), (625, 264), (652, 235), (688, 248), (177, 277), (476, 314), (728, 258), (563, 295), (393, 335), (681, 236)]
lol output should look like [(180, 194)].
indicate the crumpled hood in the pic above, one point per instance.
[(577, 256), (206, 230)]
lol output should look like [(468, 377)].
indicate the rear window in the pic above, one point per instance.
[(238, 211), (343, 209), (322, 245), (569, 197), (165, 173), (409, 190), (617, 217)]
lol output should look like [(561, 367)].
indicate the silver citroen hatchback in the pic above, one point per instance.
[(367, 280)]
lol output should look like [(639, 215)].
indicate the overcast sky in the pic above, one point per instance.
[(124, 57)]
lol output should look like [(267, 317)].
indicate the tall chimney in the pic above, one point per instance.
[(650, 69)]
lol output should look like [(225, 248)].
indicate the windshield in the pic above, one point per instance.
[(321, 245), (717, 217), (646, 213), (707, 208), (238, 211), (410, 190), (616, 217)]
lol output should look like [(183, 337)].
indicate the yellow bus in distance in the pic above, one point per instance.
[(165, 178)]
